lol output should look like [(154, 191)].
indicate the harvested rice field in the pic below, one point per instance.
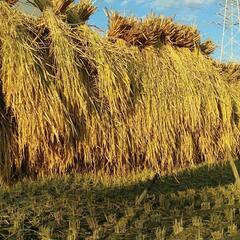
[(193, 205)]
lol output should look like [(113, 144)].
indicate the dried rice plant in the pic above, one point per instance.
[(80, 13), (73, 101), (74, 13), (230, 71), (58, 6), (29, 92), (208, 47), (8, 145), (154, 31)]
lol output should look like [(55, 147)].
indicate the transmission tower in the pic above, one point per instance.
[(230, 46)]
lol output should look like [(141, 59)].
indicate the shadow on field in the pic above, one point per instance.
[(199, 178), (73, 187)]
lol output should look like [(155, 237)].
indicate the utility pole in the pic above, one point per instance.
[(230, 44)]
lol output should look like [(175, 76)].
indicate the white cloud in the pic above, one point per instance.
[(198, 1), (124, 2), (171, 3)]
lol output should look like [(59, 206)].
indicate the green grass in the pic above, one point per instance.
[(202, 204)]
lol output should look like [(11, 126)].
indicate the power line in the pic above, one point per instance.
[(230, 43)]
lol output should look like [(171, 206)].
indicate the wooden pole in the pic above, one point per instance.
[(234, 167)]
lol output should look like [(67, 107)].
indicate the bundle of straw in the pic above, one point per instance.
[(80, 13), (73, 101), (230, 71), (154, 30), (74, 13), (208, 47)]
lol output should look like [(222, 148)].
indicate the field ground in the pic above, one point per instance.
[(203, 204)]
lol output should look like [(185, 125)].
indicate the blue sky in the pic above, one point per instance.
[(203, 13)]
